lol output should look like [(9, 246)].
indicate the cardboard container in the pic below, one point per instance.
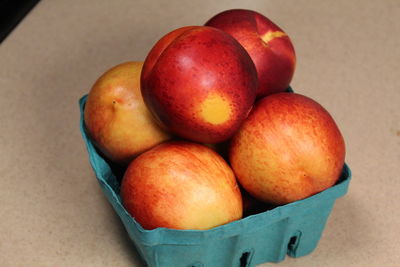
[(292, 229)]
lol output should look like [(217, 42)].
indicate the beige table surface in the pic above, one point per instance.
[(52, 211)]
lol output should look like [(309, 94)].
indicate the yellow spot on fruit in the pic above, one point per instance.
[(267, 37), (215, 109)]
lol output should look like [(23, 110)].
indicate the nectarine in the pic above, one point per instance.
[(116, 117), (289, 148), (200, 83), (181, 185), (268, 45)]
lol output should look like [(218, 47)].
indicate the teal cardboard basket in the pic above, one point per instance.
[(292, 229)]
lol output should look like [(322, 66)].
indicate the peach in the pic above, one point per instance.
[(116, 117), (289, 148), (200, 83), (268, 45), (181, 185)]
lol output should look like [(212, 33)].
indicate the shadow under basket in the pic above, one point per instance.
[(293, 229)]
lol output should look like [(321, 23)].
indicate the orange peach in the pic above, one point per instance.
[(116, 117), (181, 185), (289, 148)]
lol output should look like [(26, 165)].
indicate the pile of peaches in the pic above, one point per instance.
[(207, 127)]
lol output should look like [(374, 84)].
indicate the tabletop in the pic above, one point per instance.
[(52, 210)]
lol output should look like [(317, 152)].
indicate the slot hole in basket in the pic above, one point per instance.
[(245, 259), (197, 264), (294, 243)]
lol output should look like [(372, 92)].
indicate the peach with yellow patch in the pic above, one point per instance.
[(116, 117), (181, 185), (268, 45), (288, 149), (200, 83)]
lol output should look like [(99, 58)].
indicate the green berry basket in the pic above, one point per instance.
[(293, 229)]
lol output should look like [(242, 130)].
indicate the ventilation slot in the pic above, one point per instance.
[(293, 244), (245, 259)]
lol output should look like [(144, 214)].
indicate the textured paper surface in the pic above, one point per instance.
[(53, 213)]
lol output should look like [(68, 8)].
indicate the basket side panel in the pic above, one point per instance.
[(306, 229), (268, 243), (213, 253)]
